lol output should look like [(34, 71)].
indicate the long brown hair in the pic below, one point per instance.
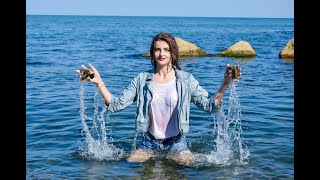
[(174, 49)]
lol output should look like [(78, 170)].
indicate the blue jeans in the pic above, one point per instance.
[(177, 143)]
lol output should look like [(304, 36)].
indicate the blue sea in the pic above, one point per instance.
[(70, 135)]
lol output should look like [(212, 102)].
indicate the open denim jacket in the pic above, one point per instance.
[(139, 91)]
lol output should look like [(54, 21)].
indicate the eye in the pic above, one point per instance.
[(156, 50), (167, 50)]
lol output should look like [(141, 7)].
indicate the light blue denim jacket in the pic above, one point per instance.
[(139, 91)]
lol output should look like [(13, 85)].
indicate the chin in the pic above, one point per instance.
[(163, 63)]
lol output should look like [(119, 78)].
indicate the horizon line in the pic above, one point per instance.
[(28, 14)]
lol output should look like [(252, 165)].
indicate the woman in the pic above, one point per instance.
[(163, 96)]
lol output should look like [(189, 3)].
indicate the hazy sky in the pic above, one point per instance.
[(187, 8)]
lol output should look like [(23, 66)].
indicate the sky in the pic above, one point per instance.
[(176, 8)]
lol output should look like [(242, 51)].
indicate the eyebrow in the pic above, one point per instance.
[(160, 48)]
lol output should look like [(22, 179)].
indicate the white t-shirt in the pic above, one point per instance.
[(163, 111)]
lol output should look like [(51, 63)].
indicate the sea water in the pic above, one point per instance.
[(57, 45)]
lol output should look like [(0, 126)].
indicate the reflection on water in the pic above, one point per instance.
[(291, 60), (162, 169)]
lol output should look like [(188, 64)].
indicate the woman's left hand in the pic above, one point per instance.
[(226, 81), (228, 74)]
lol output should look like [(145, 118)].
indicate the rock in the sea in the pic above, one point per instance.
[(239, 49), (186, 49), (288, 50)]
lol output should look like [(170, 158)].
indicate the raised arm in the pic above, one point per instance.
[(96, 78), (200, 97), (226, 81)]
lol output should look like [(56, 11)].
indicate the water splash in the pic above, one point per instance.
[(98, 142), (228, 146)]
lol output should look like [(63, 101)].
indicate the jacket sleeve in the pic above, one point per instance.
[(200, 97), (127, 97)]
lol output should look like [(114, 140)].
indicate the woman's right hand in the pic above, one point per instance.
[(96, 79)]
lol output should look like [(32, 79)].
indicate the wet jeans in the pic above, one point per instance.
[(177, 143)]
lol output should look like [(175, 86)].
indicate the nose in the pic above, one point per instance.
[(161, 53)]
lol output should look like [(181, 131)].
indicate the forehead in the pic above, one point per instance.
[(161, 43)]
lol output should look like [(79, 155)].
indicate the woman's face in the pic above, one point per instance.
[(162, 53)]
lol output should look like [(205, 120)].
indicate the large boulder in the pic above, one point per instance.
[(288, 50), (239, 49), (186, 49)]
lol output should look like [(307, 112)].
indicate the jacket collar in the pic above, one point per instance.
[(150, 75)]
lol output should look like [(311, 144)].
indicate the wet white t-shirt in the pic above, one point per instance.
[(163, 111)]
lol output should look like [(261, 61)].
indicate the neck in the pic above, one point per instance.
[(164, 71)]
